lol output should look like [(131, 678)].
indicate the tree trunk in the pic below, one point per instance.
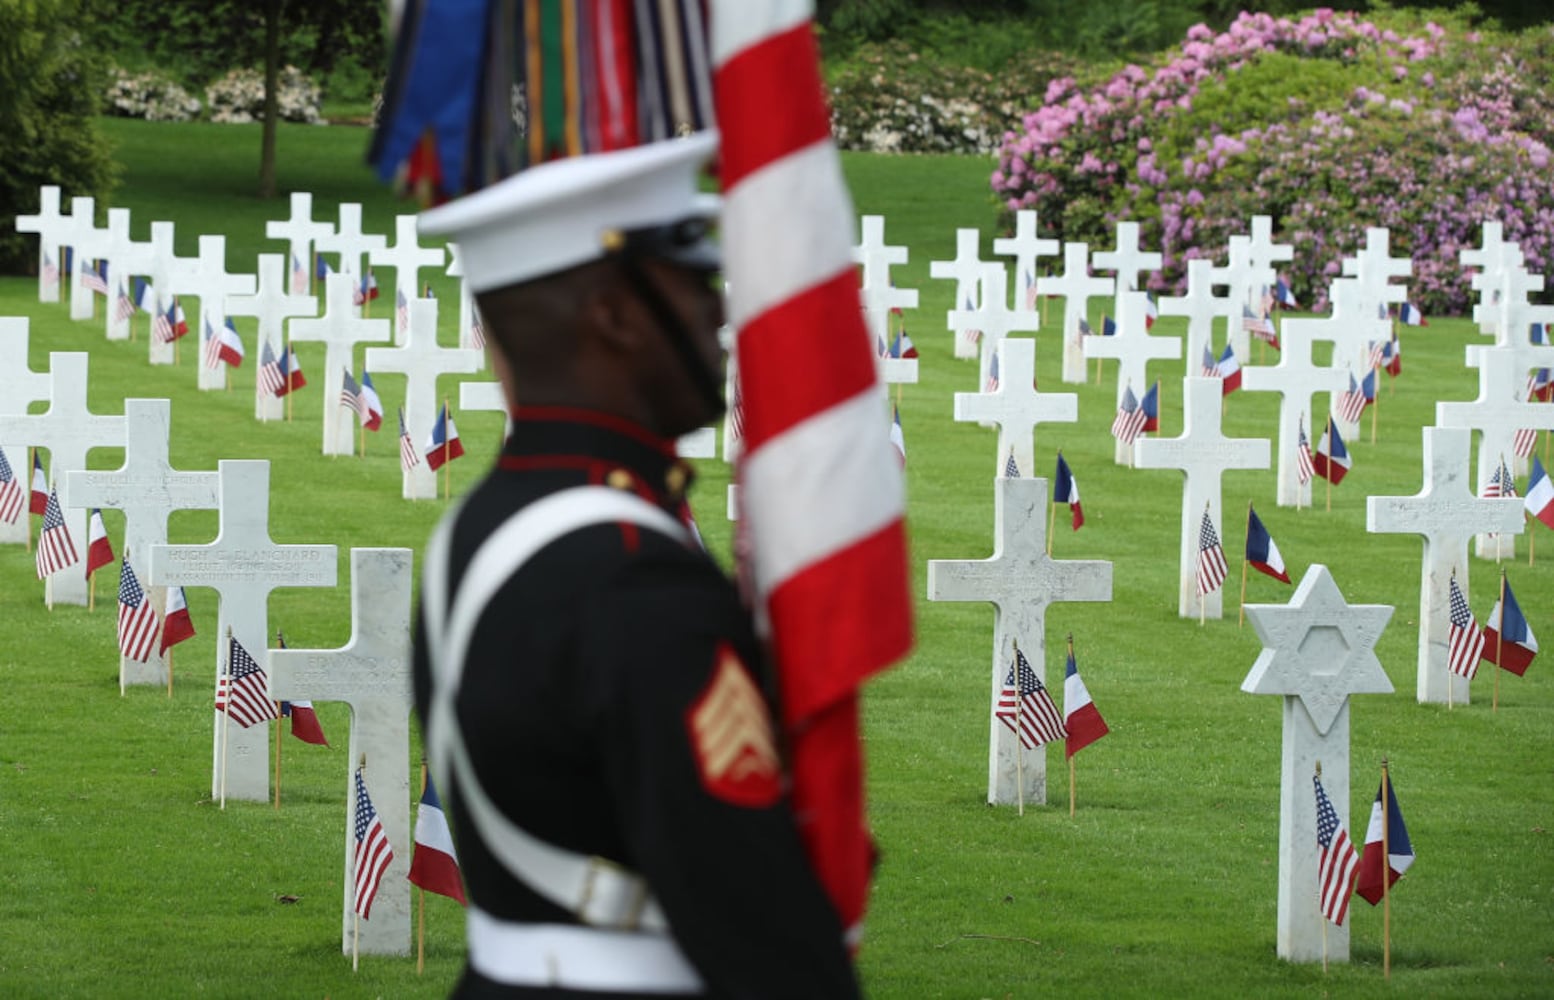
[(272, 74)]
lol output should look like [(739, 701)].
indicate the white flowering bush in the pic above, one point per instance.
[(150, 95), (238, 97)]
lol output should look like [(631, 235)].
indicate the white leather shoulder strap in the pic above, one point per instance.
[(596, 890)]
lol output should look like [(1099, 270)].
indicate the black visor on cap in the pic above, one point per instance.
[(686, 243)]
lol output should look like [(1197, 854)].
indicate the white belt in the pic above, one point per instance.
[(579, 958)]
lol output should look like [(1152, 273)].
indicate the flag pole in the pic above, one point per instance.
[(1329, 476), (1324, 916), (1386, 874), (1499, 645), (1071, 788), (1450, 688), (1375, 403), (356, 933), (91, 586), (1532, 537), (226, 719), (420, 916), (1241, 613), (1504, 471), (31, 458), (286, 343), (1019, 744), (447, 442)]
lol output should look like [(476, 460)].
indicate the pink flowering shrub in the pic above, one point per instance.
[(1328, 123)]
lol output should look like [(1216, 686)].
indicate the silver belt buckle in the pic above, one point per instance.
[(631, 917)]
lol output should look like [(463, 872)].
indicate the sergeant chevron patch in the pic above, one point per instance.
[(731, 735)]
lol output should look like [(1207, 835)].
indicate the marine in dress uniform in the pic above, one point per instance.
[(590, 685)]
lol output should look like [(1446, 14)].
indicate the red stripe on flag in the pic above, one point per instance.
[(761, 76), (830, 617), (808, 326)]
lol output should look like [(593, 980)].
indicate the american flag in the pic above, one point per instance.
[(992, 374), (372, 855), (50, 271), (736, 412), (806, 553), (1465, 638), (1211, 558), (1339, 863), (401, 308), (137, 618), (1130, 418), (271, 380), (1522, 445), (1304, 470), (409, 458), (1501, 483), (250, 702), (350, 395), (124, 306), (1011, 467), (1025, 706), (56, 550), (95, 276), (12, 497), (212, 346), (1210, 368), (299, 277), (1351, 405), (1379, 352), (477, 329), (162, 323)]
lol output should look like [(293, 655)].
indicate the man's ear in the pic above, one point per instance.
[(614, 317)]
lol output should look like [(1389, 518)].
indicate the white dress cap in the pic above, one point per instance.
[(556, 215)]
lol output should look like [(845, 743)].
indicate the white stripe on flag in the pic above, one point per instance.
[(757, 22)]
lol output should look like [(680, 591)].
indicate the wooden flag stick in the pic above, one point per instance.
[(1499, 645), (226, 718), (286, 344), (1071, 788), (31, 458), (1386, 875), (356, 934), (1019, 744), (420, 916), (91, 588), (1324, 916), (1450, 693), (447, 442), (169, 667), (1375, 403)]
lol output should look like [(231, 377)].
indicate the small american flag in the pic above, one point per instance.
[(1304, 470), (124, 306), (137, 618), (401, 309), (271, 380), (95, 276), (50, 271), (162, 323), (1501, 483), (350, 395), (477, 329), (55, 548), (1011, 467), (1352, 403), (1128, 422), (1525, 440), (1211, 558), (992, 374), (1464, 639), (212, 347), (1210, 367), (299, 277), (12, 497), (409, 458), (249, 702), (373, 853), (1025, 706), (1339, 863), (736, 412), (1378, 356)]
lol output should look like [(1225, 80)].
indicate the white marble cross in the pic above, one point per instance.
[(206, 278), (1491, 257), (1016, 406), (1352, 327), (407, 256), (371, 673), (272, 305), (1514, 315), (340, 329), (966, 270), (152, 260), (1296, 378), (1128, 260), (242, 565), (68, 429), (1317, 651), (349, 241), (300, 232), (1245, 276), (1375, 267), (51, 226), (1265, 253), (80, 236), (1077, 286), (1026, 248), (993, 317), (879, 295), (20, 387), (1201, 307), (466, 300), (147, 489), (1134, 347), (1446, 512), (1203, 454), (421, 360), (115, 246), (1020, 580), (1497, 414)]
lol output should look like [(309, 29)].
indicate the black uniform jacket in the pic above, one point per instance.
[(596, 702)]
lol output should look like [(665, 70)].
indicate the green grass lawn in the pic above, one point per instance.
[(123, 879)]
